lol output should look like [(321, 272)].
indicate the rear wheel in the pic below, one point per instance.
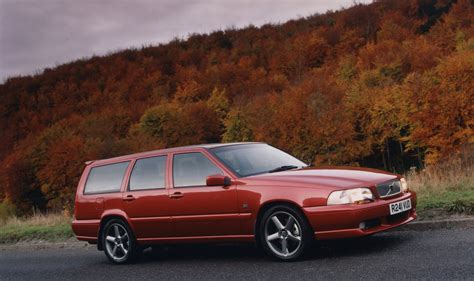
[(119, 242), (284, 233)]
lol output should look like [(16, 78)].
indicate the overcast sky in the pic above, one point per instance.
[(35, 34)]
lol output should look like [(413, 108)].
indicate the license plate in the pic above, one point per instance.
[(400, 206)]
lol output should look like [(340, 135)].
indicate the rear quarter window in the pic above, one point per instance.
[(106, 179)]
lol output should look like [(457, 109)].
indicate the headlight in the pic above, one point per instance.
[(404, 184), (351, 196)]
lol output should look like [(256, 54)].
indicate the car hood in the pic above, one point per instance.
[(331, 178)]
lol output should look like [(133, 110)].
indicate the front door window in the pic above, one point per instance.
[(192, 169)]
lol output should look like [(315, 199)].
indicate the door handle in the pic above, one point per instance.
[(128, 198), (176, 195)]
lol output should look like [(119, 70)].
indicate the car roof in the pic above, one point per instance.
[(165, 150)]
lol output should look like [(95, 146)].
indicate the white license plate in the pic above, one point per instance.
[(400, 206)]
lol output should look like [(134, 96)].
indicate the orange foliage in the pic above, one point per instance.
[(387, 85)]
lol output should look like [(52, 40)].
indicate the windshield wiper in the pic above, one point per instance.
[(283, 168)]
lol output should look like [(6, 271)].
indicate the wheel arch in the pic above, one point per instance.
[(278, 202), (106, 217)]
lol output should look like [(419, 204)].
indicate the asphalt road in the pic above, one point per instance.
[(438, 254)]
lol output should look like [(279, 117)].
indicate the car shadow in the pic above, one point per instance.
[(247, 252), (360, 246)]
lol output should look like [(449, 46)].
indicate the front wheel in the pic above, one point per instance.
[(284, 233), (119, 242)]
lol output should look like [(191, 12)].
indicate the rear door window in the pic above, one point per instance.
[(148, 173), (106, 179)]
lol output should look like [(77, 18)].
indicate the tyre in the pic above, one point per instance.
[(119, 242), (284, 233)]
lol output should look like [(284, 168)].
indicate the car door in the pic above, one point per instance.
[(197, 209), (146, 200)]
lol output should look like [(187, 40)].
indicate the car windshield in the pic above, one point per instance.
[(252, 159)]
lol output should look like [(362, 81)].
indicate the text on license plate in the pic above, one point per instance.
[(400, 206)]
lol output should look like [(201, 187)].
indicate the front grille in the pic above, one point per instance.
[(389, 188)]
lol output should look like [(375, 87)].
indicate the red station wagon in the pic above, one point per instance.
[(237, 192)]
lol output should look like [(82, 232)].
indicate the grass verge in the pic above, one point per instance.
[(461, 201), (50, 227), (446, 188)]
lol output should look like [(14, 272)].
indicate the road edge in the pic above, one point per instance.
[(437, 224), (37, 244)]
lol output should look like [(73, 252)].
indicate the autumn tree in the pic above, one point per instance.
[(443, 110), (386, 85), (237, 128)]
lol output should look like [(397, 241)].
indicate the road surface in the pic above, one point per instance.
[(400, 255)]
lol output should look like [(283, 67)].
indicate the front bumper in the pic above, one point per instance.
[(341, 221)]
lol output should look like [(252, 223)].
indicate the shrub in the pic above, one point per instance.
[(7, 210)]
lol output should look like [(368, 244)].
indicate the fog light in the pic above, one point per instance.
[(369, 224)]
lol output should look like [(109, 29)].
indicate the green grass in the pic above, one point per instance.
[(49, 233), (50, 227), (445, 189), (461, 201)]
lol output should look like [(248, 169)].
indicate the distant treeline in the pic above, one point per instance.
[(387, 85)]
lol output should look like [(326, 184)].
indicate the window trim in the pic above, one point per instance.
[(191, 152), (127, 189), (84, 192)]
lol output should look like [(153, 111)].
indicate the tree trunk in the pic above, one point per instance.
[(383, 158), (388, 156), (420, 162), (401, 157)]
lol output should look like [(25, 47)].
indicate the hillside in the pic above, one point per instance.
[(387, 85)]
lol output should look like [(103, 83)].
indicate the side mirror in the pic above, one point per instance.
[(218, 180)]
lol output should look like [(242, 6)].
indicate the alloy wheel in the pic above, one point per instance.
[(283, 234), (117, 242)]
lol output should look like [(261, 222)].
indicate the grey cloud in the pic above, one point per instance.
[(35, 34)]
